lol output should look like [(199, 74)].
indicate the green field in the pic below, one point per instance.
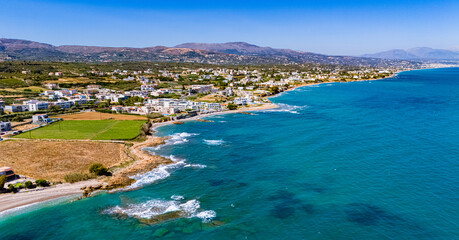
[(87, 129)]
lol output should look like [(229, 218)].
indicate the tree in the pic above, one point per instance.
[(42, 183), (2, 181), (54, 108), (28, 184), (98, 169), (274, 90), (232, 106)]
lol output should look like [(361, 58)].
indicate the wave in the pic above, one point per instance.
[(282, 107), (214, 142), (157, 207), (177, 138), (161, 172), (196, 166)]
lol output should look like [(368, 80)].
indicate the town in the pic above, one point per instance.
[(170, 93)]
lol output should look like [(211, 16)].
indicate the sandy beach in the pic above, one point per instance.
[(240, 110), (23, 198)]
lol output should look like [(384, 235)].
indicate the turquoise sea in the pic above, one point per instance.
[(361, 160)]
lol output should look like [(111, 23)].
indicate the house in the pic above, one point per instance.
[(64, 104), (35, 105), (8, 172), (117, 108), (25, 72), (5, 126), (17, 108), (40, 118), (242, 101), (52, 86), (200, 89), (93, 86), (58, 74)]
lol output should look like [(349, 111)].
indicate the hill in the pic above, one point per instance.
[(214, 53), (421, 53)]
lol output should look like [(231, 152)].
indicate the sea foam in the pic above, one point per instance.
[(214, 142), (285, 108), (156, 207), (177, 138)]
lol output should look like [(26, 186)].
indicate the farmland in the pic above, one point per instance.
[(87, 129)]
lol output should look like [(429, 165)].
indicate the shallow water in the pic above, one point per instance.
[(361, 160)]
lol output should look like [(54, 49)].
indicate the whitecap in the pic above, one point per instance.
[(206, 216), (155, 207), (177, 197), (214, 142), (198, 166), (161, 172), (177, 138), (282, 107)]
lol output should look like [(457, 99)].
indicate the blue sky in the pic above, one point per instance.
[(330, 27)]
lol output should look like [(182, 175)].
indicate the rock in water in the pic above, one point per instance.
[(160, 232)]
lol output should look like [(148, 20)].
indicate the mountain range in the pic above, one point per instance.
[(215, 53), (420, 53)]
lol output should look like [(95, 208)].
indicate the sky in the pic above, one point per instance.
[(333, 27)]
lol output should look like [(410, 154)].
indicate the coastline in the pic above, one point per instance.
[(23, 199), (9, 201)]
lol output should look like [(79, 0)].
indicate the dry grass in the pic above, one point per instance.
[(24, 127), (52, 160), (100, 116), (212, 98)]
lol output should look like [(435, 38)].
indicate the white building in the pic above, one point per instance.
[(35, 105), (5, 126)]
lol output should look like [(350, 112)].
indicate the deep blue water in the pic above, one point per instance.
[(361, 160)]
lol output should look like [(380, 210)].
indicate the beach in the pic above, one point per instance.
[(25, 198)]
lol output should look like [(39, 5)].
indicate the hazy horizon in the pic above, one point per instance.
[(326, 27)]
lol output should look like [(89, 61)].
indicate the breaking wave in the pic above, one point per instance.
[(157, 207), (161, 172), (158, 173), (285, 108), (177, 138), (214, 142)]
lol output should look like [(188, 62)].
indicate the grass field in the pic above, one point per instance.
[(87, 129)]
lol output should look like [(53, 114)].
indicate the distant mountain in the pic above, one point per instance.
[(238, 48), (421, 53), (210, 53)]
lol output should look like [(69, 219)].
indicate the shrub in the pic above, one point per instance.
[(2, 181), (76, 177), (154, 115), (232, 106), (42, 183), (29, 184), (98, 169), (18, 185), (11, 188)]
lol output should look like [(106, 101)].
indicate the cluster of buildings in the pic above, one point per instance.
[(237, 86)]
